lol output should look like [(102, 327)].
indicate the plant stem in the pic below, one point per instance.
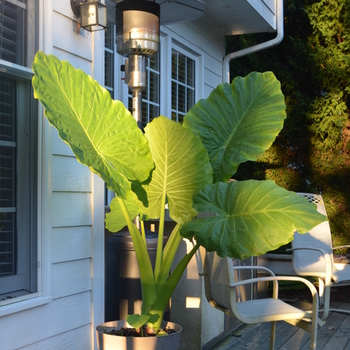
[(159, 256), (142, 224), (168, 256), (149, 293), (168, 288)]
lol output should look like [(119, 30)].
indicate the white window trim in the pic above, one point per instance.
[(172, 41), (42, 296)]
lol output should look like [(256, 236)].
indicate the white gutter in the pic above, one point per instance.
[(258, 47)]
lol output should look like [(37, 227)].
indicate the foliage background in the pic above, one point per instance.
[(312, 154)]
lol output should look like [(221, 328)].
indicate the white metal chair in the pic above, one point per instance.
[(221, 291), (313, 256)]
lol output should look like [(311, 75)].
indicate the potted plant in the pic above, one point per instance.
[(184, 166)]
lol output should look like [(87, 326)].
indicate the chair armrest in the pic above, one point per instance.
[(341, 247), (248, 267), (275, 279), (328, 271)]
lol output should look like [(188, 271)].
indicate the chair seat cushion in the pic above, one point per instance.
[(341, 273), (269, 309)]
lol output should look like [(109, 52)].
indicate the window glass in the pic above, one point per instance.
[(109, 59), (17, 31), (18, 151), (182, 85), (7, 176)]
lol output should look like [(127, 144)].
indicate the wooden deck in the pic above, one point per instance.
[(335, 335)]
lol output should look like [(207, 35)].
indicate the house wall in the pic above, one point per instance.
[(206, 43), (71, 217), (71, 220)]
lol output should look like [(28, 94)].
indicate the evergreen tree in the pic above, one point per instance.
[(312, 153)]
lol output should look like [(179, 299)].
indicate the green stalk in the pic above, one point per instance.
[(142, 224), (143, 260), (168, 256), (159, 256), (168, 288)]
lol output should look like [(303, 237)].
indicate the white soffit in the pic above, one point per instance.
[(177, 11), (171, 11), (223, 17), (234, 17)]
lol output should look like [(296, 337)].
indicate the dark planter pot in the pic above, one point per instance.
[(109, 342), (123, 294)]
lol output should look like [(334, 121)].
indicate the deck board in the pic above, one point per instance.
[(335, 335)]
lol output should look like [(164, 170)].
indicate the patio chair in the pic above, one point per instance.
[(313, 256), (221, 288)]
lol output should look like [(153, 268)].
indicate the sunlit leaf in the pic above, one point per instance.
[(136, 320), (181, 166), (238, 122), (115, 219), (252, 217), (100, 131)]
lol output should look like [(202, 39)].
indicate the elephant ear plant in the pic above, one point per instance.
[(185, 166)]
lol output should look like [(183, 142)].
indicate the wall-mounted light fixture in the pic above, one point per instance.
[(92, 14)]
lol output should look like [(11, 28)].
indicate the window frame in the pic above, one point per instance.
[(26, 281), (26, 163), (189, 50), (176, 113)]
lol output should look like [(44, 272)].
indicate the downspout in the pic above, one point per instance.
[(258, 47)]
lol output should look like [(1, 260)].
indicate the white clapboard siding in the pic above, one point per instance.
[(78, 239), (39, 323), (59, 147), (70, 277), (207, 91), (190, 33), (64, 8), (70, 175), (213, 64), (76, 339), (211, 80), (71, 209), (78, 45), (75, 61)]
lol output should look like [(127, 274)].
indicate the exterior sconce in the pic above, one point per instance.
[(92, 14)]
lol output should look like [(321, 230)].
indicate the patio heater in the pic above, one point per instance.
[(138, 31), (137, 35)]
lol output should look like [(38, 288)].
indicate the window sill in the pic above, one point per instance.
[(23, 303)]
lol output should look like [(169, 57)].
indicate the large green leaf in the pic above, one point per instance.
[(181, 166), (115, 219), (238, 122), (101, 132), (252, 217)]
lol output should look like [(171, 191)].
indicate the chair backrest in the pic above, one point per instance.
[(218, 274), (312, 263), (217, 279)]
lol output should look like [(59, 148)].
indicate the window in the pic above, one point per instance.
[(109, 58), (17, 44), (109, 81), (182, 85), (18, 150)]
